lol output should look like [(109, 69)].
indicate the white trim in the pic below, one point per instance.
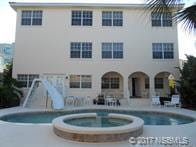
[(16, 5)]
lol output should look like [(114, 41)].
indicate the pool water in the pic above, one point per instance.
[(100, 121), (150, 118)]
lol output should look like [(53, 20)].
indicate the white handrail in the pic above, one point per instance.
[(29, 92), (56, 97)]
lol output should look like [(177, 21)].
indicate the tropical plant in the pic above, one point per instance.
[(9, 93), (186, 15), (187, 82)]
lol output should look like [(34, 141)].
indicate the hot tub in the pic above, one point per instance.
[(116, 127)]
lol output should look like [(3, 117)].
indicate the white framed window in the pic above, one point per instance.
[(112, 50), (75, 51), (80, 81), (161, 19), (168, 51), (112, 18), (25, 80), (74, 81), (82, 18), (86, 81), (163, 50), (31, 17), (81, 50), (110, 83)]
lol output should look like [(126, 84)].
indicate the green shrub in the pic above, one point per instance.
[(187, 83)]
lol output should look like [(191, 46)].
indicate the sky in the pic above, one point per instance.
[(187, 41)]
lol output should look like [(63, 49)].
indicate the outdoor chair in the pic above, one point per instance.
[(175, 101), (155, 100)]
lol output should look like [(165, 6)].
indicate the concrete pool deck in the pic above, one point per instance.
[(42, 135)]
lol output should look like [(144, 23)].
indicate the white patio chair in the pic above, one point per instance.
[(69, 100), (175, 100), (78, 101), (108, 100), (87, 101), (155, 100)]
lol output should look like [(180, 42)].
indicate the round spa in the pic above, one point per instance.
[(90, 127)]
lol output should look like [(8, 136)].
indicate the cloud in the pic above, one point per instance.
[(7, 25)]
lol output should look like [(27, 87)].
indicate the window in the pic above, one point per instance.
[(86, 50), (26, 80), (75, 50), (159, 83), (26, 17), (106, 18), (105, 83), (37, 18), (112, 50), (115, 83), (87, 18), (85, 81), (22, 80), (81, 50), (147, 83), (106, 50), (76, 18), (31, 18), (112, 18), (80, 81), (161, 19), (168, 51), (82, 18), (110, 83), (163, 50), (157, 50), (117, 50), (74, 81)]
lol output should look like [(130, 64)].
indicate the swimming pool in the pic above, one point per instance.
[(149, 117)]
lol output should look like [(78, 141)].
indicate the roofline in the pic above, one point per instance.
[(16, 5)]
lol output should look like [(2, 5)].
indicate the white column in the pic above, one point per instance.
[(130, 86), (66, 85), (152, 89), (125, 88), (96, 83)]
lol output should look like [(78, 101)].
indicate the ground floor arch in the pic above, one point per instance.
[(138, 85), (112, 84), (164, 84)]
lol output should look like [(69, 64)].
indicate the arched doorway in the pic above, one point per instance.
[(112, 84), (164, 84), (138, 85)]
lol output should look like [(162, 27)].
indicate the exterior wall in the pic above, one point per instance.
[(46, 49)]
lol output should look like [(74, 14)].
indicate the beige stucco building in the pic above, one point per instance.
[(123, 50)]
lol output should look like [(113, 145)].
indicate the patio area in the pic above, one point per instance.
[(42, 135)]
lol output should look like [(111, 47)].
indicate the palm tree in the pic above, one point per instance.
[(186, 15)]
